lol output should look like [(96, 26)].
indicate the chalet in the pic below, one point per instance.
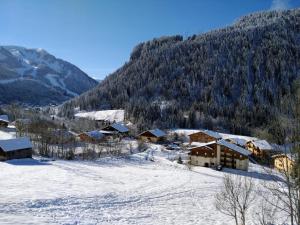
[(4, 121), (219, 152), (15, 148), (91, 136), (115, 128), (261, 149), (204, 136), (155, 135), (283, 162)]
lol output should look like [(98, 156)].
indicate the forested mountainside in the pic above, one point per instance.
[(238, 78), (35, 77)]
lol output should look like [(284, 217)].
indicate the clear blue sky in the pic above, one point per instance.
[(98, 35)]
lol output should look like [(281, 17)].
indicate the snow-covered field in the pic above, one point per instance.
[(110, 191), (106, 115), (7, 133)]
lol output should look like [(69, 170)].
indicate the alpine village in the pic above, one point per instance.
[(194, 129)]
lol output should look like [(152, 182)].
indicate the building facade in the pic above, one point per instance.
[(220, 153)]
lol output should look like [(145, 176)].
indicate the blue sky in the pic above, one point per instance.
[(98, 35)]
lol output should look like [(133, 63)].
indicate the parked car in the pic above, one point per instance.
[(219, 167), (173, 147)]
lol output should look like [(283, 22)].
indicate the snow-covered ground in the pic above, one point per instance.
[(106, 115), (112, 191), (7, 133)]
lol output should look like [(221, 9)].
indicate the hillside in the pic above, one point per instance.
[(236, 79), (35, 77)]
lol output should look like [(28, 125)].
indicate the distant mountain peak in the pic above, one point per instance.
[(20, 65)]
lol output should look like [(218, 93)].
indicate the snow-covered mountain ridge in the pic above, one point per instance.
[(26, 72)]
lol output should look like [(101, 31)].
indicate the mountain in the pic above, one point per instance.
[(238, 79), (35, 77)]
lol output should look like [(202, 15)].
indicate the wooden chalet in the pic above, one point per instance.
[(4, 121), (91, 136), (17, 148), (115, 129), (219, 152), (283, 162), (261, 149), (155, 135), (204, 136)]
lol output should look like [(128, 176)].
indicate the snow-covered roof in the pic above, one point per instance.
[(262, 144), (95, 134), (157, 132), (120, 127), (233, 147), (238, 141), (15, 144), (4, 118), (198, 144), (209, 133), (288, 155), (106, 132), (105, 115)]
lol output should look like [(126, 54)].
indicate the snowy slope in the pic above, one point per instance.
[(19, 65), (106, 115), (109, 191)]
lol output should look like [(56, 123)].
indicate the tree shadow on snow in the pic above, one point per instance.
[(254, 174)]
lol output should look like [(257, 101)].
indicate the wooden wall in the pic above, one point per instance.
[(201, 137), (18, 154)]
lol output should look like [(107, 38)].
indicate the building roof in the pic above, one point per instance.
[(156, 132), (288, 155), (4, 118), (227, 144), (234, 147), (198, 144), (120, 127), (15, 144), (209, 133), (95, 134), (106, 132), (262, 144), (238, 141)]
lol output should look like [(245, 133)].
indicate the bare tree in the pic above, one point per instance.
[(286, 189), (235, 198), (266, 213)]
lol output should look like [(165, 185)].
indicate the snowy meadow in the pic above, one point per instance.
[(112, 191)]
